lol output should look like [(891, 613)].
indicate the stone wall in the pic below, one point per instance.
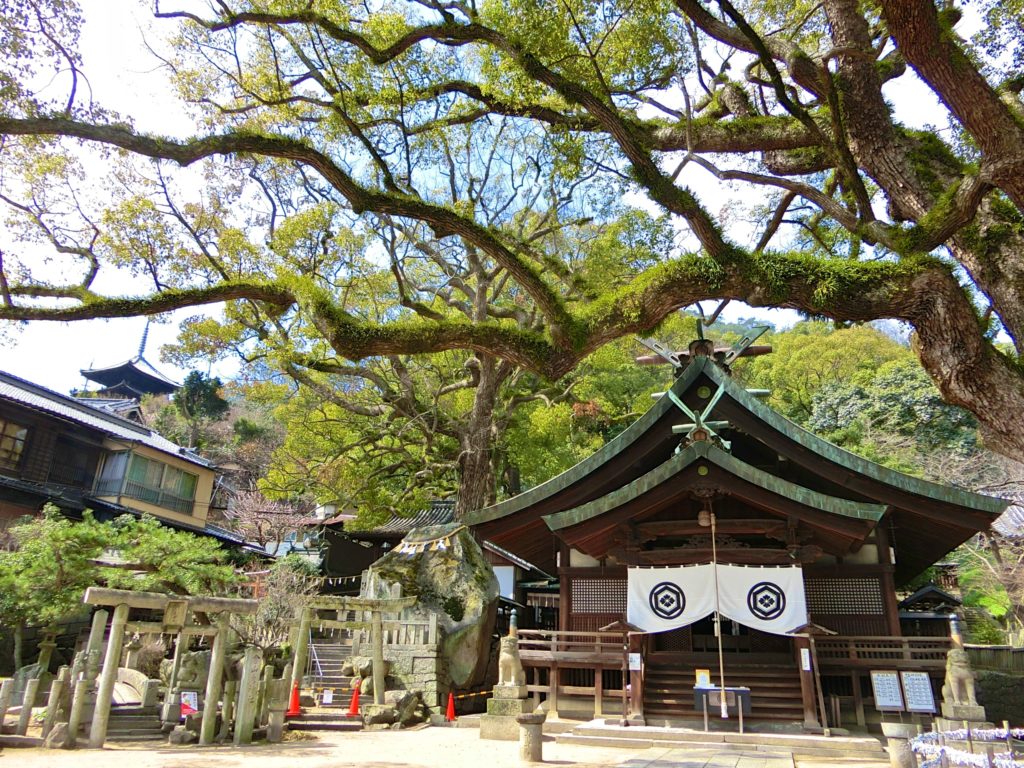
[(1002, 695), (415, 667)]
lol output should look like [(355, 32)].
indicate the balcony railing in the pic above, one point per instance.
[(64, 474), (157, 496)]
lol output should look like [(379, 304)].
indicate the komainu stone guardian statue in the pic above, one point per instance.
[(959, 685), (510, 667)]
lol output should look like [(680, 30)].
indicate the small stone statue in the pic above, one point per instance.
[(958, 687), (510, 666)]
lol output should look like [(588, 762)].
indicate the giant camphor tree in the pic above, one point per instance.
[(338, 205)]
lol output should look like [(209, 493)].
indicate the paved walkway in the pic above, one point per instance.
[(426, 748)]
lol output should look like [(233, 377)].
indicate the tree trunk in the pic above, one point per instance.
[(477, 476), (19, 643)]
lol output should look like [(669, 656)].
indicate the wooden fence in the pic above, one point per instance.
[(997, 658)]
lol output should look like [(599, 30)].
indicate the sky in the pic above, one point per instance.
[(124, 75)]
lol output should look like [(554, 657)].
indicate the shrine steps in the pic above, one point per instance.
[(774, 693), (325, 719), (326, 673), (598, 733), (135, 723)]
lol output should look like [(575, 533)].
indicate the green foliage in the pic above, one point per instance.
[(53, 560), (199, 398), (812, 356)]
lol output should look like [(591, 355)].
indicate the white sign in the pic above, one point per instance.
[(328, 697), (805, 659), (917, 687), (702, 678), (886, 687), (635, 662)]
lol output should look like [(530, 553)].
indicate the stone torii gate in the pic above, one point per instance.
[(376, 607), (177, 615)]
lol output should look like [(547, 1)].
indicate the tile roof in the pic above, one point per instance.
[(437, 513), (38, 398)]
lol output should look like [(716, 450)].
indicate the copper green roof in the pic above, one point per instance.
[(711, 453)]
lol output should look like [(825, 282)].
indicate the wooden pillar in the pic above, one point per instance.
[(301, 650), (101, 715), (598, 691), (636, 679), (858, 700), (807, 696), (564, 590), (886, 582), (207, 730)]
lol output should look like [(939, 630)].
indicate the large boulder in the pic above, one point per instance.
[(446, 569)]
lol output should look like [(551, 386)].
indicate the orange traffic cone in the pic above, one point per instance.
[(450, 714), (294, 709), (353, 707)]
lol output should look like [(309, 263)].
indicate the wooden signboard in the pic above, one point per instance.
[(886, 688), (917, 688)]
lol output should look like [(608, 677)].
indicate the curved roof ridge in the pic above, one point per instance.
[(819, 445), (686, 457)]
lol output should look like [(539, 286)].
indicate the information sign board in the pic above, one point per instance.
[(886, 688), (917, 688)]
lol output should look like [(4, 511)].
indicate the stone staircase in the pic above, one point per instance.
[(135, 723), (325, 672), (774, 693), (846, 748)]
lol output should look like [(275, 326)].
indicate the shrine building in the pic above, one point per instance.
[(710, 473)]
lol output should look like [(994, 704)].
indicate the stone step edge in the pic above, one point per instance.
[(794, 741)]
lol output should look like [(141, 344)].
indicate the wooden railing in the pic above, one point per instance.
[(585, 664), (901, 652)]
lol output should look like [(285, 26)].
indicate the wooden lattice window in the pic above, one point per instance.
[(12, 443), (599, 596), (844, 596)]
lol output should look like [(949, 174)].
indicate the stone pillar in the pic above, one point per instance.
[(131, 652), (246, 713), (78, 698), (228, 713), (53, 704), (95, 645), (101, 715), (172, 702), (208, 729), (6, 691), (263, 710), (31, 687), (46, 653), (377, 639), (277, 702), (531, 737), (898, 736), (301, 649)]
